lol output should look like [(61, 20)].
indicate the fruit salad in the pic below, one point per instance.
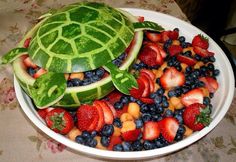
[(109, 80), (176, 82)]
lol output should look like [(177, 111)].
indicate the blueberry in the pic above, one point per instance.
[(122, 56), (69, 83), (137, 146), (165, 104), (93, 134), (124, 99), (105, 141), (139, 102), (136, 66), (88, 74), (158, 99), (86, 82), (118, 147), (117, 62), (144, 108), (153, 95), (206, 100), (132, 99), (216, 72), (107, 130), (187, 53), (160, 109), (188, 69), (139, 123), (158, 143), (146, 117), (79, 139), (157, 117), (185, 89), (210, 66), (117, 122), (31, 71), (91, 142), (95, 78), (148, 145), (211, 95), (168, 113), (76, 82), (178, 137), (160, 91), (126, 146), (85, 134), (181, 129), (100, 72), (212, 59), (181, 38), (118, 105), (171, 93), (184, 44), (179, 118), (158, 80), (178, 91)]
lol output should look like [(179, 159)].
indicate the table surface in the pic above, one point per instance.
[(19, 138)]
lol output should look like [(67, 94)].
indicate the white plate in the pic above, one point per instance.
[(221, 101)]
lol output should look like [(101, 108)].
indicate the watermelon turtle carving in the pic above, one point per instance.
[(78, 38)]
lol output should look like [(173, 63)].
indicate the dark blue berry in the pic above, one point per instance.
[(31, 71), (137, 146), (206, 100), (168, 113), (144, 108), (105, 141), (153, 95), (210, 66), (146, 117), (165, 104), (171, 93), (179, 118), (187, 53), (181, 39), (100, 72), (158, 99), (157, 117), (216, 72), (124, 99), (181, 129), (118, 105), (159, 109), (118, 147), (126, 146), (178, 137), (79, 139), (107, 130), (76, 82), (92, 142), (86, 134), (211, 95), (148, 145), (69, 83), (212, 59), (160, 91), (86, 82), (117, 122), (139, 123), (132, 99), (88, 74), (93, 134)]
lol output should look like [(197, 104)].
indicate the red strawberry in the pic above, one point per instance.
[(193, 96), (210, 83), (165, 35), (86, 115), (123, 110), (148, 74), (131, 135), (138, 92), (101, 120), (39, 73), (114, 97), (147, 100), (28, 63), (59, 120), (175, 50), (27, 43), (112, 109), (154, 37), (94, 123), (200, 41), (173, 35), (169, 127), (187, 60), (114, 140), (146, 90), (43, 112), (151, 130), (196, 116), (108, 115), (172, 78), (140, 18), (202, 52), (148, 56), (161, 54)]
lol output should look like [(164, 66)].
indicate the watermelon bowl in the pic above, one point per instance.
[(221, 101)]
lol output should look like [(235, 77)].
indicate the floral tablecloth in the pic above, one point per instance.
[(19, 138)]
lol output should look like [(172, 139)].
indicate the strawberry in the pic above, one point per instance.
[(39, 73), (159, 50), (168, 128), (114, 97), (202, 52), (114, 140), (101, 121), (131, 135), (191, 97), (138, 92), (196, 116), (154, 37), (175, 50), (146, 90), (173, 35), (28, 63), (112, 109), (210, 83), (172, 78), (200, 41), (147, 100), (140, 18), (86, 115), (151, 130), (108, 115), (43, 112), (187, 60), (94, 123), (165, 35), (59, 120), (148, 56), (148, 74), (27, 42)]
